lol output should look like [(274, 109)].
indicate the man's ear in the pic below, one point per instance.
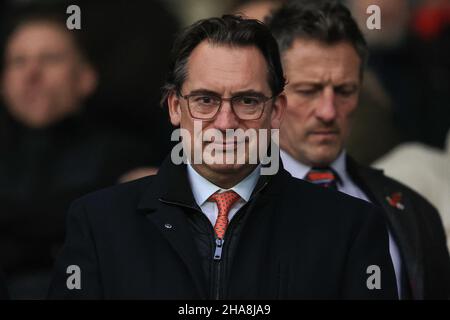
[(278, 108), (173, 102), (88, 80)]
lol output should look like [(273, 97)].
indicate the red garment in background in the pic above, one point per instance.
[(429, 21)]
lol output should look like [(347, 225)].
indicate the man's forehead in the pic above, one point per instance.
[(224, 66), (208, 53), (316, 61), (35, 35)]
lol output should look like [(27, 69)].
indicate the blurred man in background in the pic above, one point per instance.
[(50, 153), (409, 57), (46, 77), (323, 54)]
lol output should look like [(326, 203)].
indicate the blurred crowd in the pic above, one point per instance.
[(79, 109)]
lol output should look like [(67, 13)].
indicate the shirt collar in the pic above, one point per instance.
[(299, 170), (202, 188), (295, 168), (339, 165)]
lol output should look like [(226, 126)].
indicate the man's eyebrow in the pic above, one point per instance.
[(316, 84), (250, 92), (345, 84), (204, 91)]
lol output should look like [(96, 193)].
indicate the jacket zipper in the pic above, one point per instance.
[(219, 244), (217, 261), (219, 247), (218, 250)]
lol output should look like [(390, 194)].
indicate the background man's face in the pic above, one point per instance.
[(322, 92), (226, 72), (44, 77)]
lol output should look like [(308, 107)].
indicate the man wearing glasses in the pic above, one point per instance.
[(224, 229)]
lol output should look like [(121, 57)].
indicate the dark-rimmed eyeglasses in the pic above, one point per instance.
[(205, 106)]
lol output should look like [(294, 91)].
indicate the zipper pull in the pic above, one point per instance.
[(218, 251)]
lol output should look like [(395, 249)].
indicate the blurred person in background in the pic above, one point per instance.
[(426, 170), (426, 166), (375, 116), (323, 54), (50, 151), (410, 60)]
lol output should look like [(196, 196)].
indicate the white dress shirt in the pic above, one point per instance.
[(202, 189), (346, 185)]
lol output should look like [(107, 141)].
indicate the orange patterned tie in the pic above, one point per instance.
[(225, 201)]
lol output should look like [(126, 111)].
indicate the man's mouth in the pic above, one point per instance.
[(227, 142), (324, 132), (225, 145)]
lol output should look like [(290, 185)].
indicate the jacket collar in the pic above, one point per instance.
[(171, 184)]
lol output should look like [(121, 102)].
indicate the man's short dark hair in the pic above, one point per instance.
[(229, 30), (326, 21)]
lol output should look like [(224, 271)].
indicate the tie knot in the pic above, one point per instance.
[(225, 200), (325, 177)]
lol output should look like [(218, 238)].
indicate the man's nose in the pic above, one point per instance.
[(226, 118), (326, 107), (33, 71)]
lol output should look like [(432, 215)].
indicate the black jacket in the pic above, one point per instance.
[(41, 172), (3, 288), (417, 229), (296, 241)]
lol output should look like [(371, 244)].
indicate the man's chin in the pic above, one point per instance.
[(37, 114), (225, 167), (321, 156)]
